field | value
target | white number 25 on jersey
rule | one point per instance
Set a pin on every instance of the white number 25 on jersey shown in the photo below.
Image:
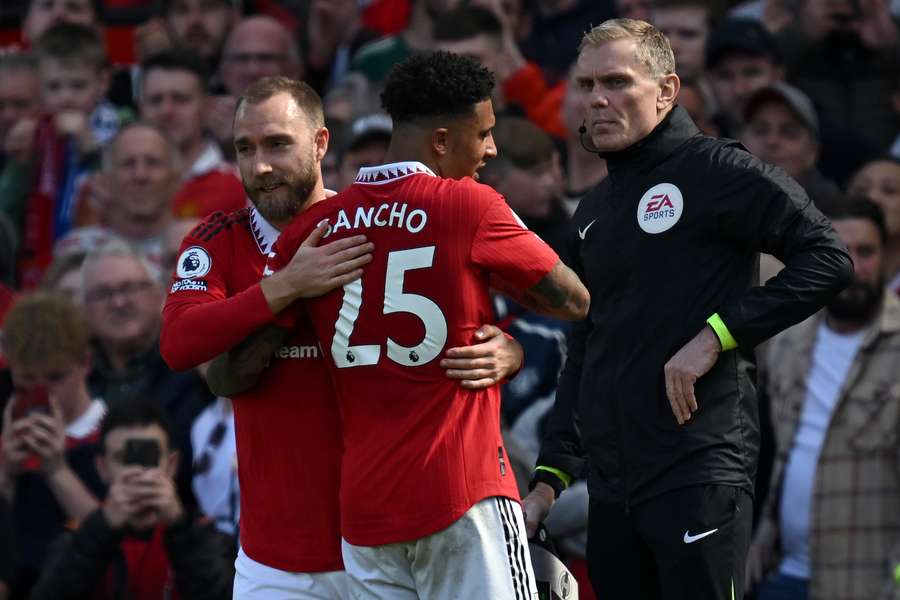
(395, 301)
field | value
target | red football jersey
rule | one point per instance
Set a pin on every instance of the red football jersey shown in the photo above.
(419, 449)
(287, 427)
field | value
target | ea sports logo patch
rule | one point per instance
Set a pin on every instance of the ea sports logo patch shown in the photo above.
(193, 262)
(660, 208)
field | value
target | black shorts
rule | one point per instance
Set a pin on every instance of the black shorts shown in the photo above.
(688, 544)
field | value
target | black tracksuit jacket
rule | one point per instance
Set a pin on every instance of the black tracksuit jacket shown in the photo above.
(652, 292)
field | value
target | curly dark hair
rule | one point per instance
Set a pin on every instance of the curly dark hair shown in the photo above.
(438, 84)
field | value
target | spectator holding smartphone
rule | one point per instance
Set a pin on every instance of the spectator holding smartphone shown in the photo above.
(50, 425)
(142, 543)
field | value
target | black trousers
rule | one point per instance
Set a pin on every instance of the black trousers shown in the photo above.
(688, 544)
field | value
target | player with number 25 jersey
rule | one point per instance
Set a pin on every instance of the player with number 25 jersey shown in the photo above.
(419, 449)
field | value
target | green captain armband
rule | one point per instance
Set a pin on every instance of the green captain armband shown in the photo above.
(558, 480)
(563, 476)
(728, 342)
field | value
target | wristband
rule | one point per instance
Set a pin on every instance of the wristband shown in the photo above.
(725, 338)
(556, 479)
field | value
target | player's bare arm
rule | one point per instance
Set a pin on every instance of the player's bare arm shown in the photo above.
(492, 358)
(559, 294)
(316, 270)
(239, 369)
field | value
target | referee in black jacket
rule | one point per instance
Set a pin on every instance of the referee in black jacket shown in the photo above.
(659, 389)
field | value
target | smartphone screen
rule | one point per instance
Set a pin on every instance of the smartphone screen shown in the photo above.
(143, 452)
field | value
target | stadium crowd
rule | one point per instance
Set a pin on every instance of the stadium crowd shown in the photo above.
(116, 141)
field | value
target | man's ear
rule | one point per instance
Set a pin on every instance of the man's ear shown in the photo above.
(668, 92)
(321, 142)
(440, 141)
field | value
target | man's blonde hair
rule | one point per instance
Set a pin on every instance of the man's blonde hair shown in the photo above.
(652, 48)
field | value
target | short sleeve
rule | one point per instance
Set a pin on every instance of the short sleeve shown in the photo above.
(504, 246)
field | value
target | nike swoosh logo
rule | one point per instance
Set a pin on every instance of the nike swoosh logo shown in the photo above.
(583, 232)
(690, 539)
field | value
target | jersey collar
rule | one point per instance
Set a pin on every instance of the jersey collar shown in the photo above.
(264, 232)
(391, 172)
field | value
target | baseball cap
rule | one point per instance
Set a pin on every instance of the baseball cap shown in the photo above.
(745, 36)
(796, 101)
(370, 127)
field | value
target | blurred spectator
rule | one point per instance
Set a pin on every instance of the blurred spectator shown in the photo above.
(143, 543)
(843, 54)
(782, 129)
(215, 466)
(742, 58)
(583, 168)
(527, 173)
(556, 24)
(74, 76)
(257, 47)
(528, 397)
(19, 97)
(133, 196)
(832, 522)
(353, 96)
(63, 147)
(687, 24)
(775, 15)
(634, 9)
(123, 298)
(64, 276)
(375, 60)
(334, 32)
(173, 98)
(879, 180)
(692, 99)
(370, 136)
(200, 26)
(50, 426)
(487, 36)
(42, 14)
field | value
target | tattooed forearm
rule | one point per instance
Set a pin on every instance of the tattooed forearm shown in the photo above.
(239, 369)
(559, 294)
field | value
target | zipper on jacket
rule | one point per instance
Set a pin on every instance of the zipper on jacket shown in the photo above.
(501, 460)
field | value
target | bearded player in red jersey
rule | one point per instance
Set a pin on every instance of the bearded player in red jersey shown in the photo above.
(288, 442)
(429, 505)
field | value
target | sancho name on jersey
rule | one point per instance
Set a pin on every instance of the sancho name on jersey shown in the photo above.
(419, 450)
